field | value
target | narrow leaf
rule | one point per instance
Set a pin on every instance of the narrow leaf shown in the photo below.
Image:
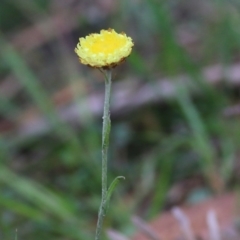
(111, 189)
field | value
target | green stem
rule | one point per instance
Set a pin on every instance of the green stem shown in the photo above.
(105, 142)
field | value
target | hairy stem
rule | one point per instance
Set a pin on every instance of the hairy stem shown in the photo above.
(105, 142)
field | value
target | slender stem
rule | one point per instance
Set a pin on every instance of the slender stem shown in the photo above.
(105, 142)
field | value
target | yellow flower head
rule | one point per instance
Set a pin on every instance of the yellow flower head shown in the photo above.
(104, 50)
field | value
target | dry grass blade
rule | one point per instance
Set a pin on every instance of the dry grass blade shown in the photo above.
(114, 235)
(184, 223)
(213, 226)
(145, 228)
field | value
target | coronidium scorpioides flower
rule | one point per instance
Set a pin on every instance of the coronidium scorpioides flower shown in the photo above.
(106, 49)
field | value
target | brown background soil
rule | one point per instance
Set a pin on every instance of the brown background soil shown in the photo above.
(168, 228)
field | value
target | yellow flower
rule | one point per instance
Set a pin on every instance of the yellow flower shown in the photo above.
(104, 50)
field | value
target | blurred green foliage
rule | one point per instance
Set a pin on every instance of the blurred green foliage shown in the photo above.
(11, 15)
(50, 183)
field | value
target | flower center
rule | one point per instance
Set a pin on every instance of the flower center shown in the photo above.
(106, 44)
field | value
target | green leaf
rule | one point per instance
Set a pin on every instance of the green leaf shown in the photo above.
(111, 189)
